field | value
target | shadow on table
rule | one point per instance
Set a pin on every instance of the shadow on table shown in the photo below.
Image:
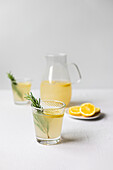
(70, 140)
(102, 116)
(67, 138)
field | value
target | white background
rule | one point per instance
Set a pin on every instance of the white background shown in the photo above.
(30, 29)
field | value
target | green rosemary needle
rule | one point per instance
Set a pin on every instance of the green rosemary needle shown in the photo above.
(12, 78)
(35, 102)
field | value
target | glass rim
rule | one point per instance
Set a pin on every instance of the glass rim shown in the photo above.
(24, 79)
(56, 55)
(53, 108)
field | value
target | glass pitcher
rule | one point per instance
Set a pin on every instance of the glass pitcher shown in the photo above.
(56, 83)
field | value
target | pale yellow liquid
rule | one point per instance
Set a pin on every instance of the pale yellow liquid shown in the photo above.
(57, 90)
(20, 90)
(48, 126)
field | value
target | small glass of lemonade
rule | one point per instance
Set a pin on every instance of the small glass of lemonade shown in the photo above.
(48, 121)
(22, 87)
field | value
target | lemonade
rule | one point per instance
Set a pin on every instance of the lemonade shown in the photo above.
(48, 126)
(19, 91)
(57, 90)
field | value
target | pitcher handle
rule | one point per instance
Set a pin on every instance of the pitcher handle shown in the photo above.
(78, 70)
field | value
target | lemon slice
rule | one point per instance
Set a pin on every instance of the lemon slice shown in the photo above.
(97, 110)
(87, 109)
(74, 110)
(64, 84)
(25, 84)
(51, 113)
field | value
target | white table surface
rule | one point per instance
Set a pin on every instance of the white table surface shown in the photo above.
(86, 145)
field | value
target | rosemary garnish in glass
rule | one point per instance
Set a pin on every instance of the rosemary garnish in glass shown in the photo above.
(39, 117)
(14, 84)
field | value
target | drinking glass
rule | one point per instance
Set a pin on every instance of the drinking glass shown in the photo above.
(22, 87)
(48, 121)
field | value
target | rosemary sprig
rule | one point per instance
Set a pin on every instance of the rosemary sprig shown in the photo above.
(35, 102)
(39, 120)
(12, 78)
(14, 84)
